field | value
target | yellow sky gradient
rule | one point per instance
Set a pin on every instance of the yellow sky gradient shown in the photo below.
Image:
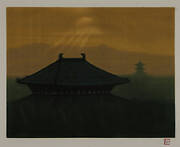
(147, 31)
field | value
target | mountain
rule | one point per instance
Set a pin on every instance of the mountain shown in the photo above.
(30, 58)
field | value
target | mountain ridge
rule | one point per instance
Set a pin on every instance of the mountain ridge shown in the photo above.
(36, 56)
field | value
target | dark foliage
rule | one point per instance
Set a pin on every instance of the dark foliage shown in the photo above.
(89, 116)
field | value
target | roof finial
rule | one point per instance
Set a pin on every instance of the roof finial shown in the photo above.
(60, 56)
(83, 55)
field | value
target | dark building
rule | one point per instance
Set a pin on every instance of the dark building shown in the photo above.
(139, 67)
(140, 75)
(72, 76)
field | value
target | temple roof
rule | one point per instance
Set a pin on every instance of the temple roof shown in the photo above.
(72, 72)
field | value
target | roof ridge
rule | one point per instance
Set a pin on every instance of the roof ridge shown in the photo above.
(87, 74)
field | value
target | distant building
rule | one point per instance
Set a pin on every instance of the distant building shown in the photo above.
(140, 70)
(139, 78)
(140, 67)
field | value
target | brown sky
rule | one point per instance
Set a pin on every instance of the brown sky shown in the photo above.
(143, 31)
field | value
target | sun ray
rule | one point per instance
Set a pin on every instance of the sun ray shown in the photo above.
(68, 43)
(58, 41)
(85, 41)
(76, 42)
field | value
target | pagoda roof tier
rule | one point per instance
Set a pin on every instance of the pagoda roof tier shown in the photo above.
(72, 72)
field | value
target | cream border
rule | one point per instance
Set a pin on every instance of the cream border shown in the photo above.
(79, 142)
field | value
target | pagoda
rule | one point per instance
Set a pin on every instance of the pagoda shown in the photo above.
(72, 76)
(139, 67)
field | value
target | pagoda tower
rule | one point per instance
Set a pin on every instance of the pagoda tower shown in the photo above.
(140, 68)
(140, 78)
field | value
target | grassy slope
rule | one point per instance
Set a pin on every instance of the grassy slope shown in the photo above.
(16, 91)
(148, 89)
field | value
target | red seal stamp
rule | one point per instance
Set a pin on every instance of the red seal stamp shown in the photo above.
(167, 141)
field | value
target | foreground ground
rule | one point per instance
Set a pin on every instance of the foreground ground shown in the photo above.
(89, 116)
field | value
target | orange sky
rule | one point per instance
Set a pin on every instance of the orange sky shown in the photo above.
(144, 31)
